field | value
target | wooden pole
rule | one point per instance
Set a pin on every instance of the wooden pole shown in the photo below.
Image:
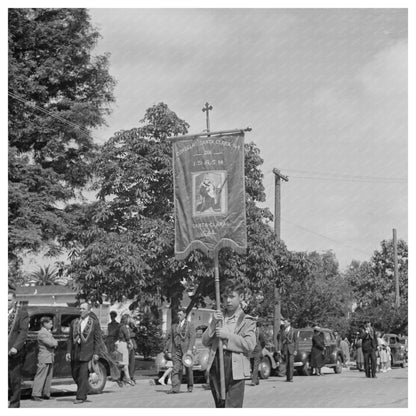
(218, 301)
(277, 298)
(207, 109)
(396, 270)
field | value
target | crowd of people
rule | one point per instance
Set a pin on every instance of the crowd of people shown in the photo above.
(237, 334)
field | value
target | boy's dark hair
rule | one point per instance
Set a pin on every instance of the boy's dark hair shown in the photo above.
(233, 286)
(45, 319)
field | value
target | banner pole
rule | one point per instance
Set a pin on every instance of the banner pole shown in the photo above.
(218, 300)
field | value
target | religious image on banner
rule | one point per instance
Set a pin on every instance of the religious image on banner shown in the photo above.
(209, 193)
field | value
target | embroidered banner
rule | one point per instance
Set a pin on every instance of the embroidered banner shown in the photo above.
(209, 194)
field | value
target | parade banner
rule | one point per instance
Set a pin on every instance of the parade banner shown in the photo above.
(209, 194)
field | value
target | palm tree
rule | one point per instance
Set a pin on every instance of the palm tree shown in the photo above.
(45, 276)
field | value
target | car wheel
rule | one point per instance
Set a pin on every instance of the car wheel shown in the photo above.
(265, 368)
(338, 366)
(306, 369)
(97, 379)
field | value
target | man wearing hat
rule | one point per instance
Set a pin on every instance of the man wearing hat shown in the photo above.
(287, 345)
(182, 340)
(18, 325)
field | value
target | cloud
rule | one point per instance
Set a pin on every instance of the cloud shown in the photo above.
(386, 74)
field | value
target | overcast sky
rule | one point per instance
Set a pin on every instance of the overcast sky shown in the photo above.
(324, 90)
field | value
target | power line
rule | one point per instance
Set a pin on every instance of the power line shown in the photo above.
(61, 119)
(346, 175)
(324, 236)
(335, 179)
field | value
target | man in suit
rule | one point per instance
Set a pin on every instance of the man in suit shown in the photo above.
(369, 347)
(18, 323)
(83, 345)
(182, 341)
(47, 344)
(238, 334)
(287, 345)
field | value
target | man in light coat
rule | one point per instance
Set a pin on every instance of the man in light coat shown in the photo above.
(47, 344)
(238, 334)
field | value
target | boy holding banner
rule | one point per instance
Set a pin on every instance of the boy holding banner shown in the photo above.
(238, 334)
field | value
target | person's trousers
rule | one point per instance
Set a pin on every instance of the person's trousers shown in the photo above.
(255, 361)
(370, 363)
(15, 370)
(80, 376)
(234, 389)
(289, 359)
(177, 371)
(132, 363)
(43, 380)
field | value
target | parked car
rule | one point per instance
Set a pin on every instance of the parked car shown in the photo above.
(269, 365)
(333, 358)
(398, 351)
(62, 317)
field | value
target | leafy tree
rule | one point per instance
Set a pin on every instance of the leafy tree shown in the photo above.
(149, 335)
(58, 92)
(126, 238)
(373, 287)
(314, 292)
(373, 282)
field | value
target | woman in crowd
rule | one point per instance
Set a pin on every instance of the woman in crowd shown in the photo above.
(382, 350)
(317, 353)
(124, 344)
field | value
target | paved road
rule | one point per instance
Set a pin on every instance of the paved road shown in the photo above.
(351, 389)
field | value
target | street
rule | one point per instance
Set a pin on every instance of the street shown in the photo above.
(350, 389)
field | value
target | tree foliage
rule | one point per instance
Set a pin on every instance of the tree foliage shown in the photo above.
(57, 92)
(373, 281)
(373, 287)
(126, 238)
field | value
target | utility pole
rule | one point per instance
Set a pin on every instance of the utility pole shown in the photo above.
(396, 269)
(277, 302)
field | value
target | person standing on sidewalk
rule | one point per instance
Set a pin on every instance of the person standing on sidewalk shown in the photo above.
(124, 346)
(47, 343)
(257, 355)
(318, 351)
(287, 343)
(182, 340)
(369, 346)
(18, 323)
(83, 345)
(238, 334)
(133, 349)
(113, 329)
